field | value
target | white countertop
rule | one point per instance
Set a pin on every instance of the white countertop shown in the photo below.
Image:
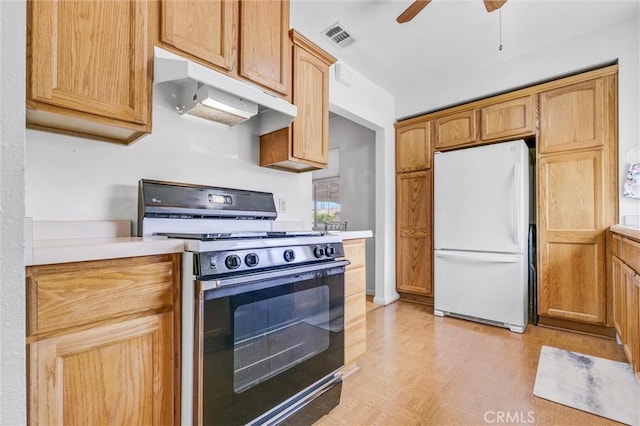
(352, 235)
(632, 231)
(46, 252)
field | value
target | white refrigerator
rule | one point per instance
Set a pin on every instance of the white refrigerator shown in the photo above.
(481, 220)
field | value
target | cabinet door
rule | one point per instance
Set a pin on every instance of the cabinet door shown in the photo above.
(572, 117)
(355, 321)
(265, 49)
(515, 118)
(413, 147)
(115, 374)
(205, 29)
(414, 249)
(91, 57)
(311, 97)
(571, 232)
(630, 340)
(455, 129)
(619, 299)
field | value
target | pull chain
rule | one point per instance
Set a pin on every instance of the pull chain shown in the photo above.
(500, 23)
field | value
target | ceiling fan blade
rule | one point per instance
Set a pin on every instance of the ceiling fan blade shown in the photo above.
(412, 11)
(492, 5)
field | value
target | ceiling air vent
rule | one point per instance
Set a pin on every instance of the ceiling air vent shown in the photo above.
(338, 34)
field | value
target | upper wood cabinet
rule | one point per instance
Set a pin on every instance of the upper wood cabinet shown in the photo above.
(573, 117)
(247, 39)
(513, 118)
(207, 30)
(101, 342)
(413, 147)
(414, 243)
(455, 129)
(304, 145)
(88, 68)
(265, 49)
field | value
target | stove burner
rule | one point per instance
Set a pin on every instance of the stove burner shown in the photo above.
(240, 235)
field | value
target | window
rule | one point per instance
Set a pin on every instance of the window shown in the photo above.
(326, 202)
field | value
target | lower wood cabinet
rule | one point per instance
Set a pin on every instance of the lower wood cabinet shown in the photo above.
(625, 281)
(414, 242)
(355, 318)
(102, 342)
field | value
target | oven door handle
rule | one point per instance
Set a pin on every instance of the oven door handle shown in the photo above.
(206, 285)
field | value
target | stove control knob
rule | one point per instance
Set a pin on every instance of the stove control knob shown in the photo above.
(318, 252)
(232, 261)
(289, 255)
(251, 260)
(330, 251)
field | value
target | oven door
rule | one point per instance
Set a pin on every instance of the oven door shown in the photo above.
(264, 339)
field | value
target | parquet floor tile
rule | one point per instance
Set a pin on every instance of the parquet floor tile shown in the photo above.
(425, 370)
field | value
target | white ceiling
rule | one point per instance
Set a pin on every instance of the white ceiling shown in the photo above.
(448, 37)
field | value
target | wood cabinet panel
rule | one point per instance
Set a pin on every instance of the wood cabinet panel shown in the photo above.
(514, 118)
(570, 187)
(116, 374)
(616, 245)
(572, 284)
(304, 146)
(355, 332)
(414, 243)
(206, 30)
(413, 147)
(265, 49)
(631, 253)
(572, 117)
(311, 96)
(619, 297)
(630, 340)
(354, 251)
(67, 295)
(455, 129)
(413, 203)
(88, 68)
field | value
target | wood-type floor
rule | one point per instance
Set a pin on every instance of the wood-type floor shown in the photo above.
(424, 370)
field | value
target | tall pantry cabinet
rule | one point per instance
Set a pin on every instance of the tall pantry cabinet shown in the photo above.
(414, 189)
(577, 185)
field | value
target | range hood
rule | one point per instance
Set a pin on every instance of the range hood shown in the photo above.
(213, 96)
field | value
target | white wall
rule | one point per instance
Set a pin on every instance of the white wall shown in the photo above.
(70, 178)
(357, 182)
(367, 104)
(621, 42)
(12, 294)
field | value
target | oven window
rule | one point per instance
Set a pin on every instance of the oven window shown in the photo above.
(273, 335)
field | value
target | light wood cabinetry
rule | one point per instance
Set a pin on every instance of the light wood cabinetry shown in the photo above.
(304, 145)
(244, 38)
(88, 68)
(413, 147)
(102, 342)
(624, 268)
(206, 30)
(355, 328)
(456, 129)
(414, 241)
(576, 202)
(513, 118)
(265, 49)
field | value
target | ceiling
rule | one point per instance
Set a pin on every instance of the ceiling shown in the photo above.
(449, 37)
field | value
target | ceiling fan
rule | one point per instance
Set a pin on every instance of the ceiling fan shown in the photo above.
(418, 5)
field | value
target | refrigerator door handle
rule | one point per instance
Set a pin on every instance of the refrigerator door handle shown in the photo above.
(479, 257)
(516, 204)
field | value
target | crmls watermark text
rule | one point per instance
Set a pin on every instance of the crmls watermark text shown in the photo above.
(502, 417)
